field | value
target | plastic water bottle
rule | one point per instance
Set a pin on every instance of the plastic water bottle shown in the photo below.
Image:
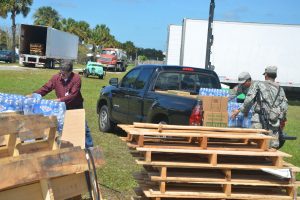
(61, 109)
(17, 104)
(28, 106)
(36, 96)
(36, 106)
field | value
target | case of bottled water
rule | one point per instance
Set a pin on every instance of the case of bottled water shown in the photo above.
(33, 105)
(213, 92)
(240, 120)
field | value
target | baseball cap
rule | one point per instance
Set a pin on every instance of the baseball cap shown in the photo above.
(66, 65)
(244, 76)
(271, 70)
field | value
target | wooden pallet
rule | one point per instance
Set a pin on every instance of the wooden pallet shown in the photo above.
(188, 162)
(36, 49)
(58, 174)
(214, 158)
(21, 134)
(227, 177)
(32, 165)
(196, 138)
(213, 191)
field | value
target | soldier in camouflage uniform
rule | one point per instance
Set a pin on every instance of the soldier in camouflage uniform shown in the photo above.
(268, 91)
(244, 80)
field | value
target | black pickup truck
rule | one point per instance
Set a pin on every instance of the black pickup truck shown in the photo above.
(138, 97)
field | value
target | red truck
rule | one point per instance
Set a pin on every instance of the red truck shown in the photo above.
(113, 58)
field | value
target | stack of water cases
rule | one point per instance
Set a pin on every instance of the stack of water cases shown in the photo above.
(240, 120)
(33, 105)
(213, 92)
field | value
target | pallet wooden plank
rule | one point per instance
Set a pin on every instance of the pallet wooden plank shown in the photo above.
(219, 152)
(163, 175)
(207, 165)
(188, 133)
(180, 127)
(27, 192)
(32, 169)
(46, 189)
(69, 186)
(26, 124)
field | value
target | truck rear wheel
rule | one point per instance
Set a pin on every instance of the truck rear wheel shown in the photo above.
(28, 64)
(105, 124)
(85, 73)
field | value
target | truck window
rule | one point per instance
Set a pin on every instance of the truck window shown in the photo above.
(167, 81)
(190, 82)
(129, 80)
(143, 78)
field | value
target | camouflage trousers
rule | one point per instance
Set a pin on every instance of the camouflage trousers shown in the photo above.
(274, 133)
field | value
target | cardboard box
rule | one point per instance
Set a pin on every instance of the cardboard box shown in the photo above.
(73, 133)
(215, 119)
(214, 103)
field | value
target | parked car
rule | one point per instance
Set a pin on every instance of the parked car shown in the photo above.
(7, 56)
(139, 96)
(94, 69)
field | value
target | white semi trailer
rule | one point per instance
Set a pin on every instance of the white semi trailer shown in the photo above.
(241, 47)
(174, 44)
(41, 45)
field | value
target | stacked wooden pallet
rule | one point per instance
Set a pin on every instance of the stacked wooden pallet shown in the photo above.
(33, 166)
(186, 162)
(36, 49)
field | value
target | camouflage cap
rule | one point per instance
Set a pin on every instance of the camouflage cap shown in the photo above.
(271, 70)
(243, 77)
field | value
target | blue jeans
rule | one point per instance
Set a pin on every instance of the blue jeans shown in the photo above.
(88, 136)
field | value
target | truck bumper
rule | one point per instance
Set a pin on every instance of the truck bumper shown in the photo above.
(34, 59)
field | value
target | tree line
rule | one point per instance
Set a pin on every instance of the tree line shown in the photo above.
(100, 35)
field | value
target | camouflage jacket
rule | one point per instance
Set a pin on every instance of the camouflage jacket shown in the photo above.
(269, 90)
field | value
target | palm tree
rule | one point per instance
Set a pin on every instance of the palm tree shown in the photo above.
(100, 35)
(68, 25)
(83, 30)
(47, 16)
(14, 7)
(129, 47)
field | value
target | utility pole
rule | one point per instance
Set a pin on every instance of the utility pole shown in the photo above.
(210, 36)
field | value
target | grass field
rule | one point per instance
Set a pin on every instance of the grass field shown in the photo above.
(116, 176)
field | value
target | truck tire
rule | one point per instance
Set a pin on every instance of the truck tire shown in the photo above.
(123, 67)
(28, 64)
(85, 73)
(105, 124)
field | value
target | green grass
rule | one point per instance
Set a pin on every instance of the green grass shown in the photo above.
(116, 175)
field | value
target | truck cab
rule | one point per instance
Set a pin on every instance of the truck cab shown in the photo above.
(113, 58)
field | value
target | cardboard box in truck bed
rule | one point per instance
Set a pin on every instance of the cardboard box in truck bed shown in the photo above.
(215, 111)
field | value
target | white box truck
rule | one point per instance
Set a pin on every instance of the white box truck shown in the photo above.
(41, 45)
(239, 47)
(173, 44)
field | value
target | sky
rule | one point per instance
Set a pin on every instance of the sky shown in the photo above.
(145, 22)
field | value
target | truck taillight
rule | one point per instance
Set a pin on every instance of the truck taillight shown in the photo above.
(196, 116)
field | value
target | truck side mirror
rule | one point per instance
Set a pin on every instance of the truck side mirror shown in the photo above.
(113, 82)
